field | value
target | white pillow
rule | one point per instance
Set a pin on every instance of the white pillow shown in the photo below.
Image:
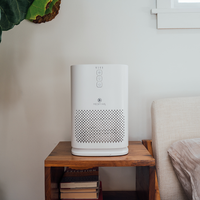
(185, 157)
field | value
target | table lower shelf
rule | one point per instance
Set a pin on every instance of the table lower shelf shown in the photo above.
(145, 185)
(119, 195)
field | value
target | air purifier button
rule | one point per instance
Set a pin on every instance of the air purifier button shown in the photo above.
(99, 78)
(99, 84)
(99, 72)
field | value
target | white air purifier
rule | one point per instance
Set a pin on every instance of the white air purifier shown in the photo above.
(99, 110)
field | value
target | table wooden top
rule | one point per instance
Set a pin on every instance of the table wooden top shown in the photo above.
(61, 156)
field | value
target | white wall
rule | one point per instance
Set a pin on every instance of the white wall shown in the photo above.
(35, 87)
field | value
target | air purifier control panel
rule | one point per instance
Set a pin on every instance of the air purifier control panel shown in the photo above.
(99, 77)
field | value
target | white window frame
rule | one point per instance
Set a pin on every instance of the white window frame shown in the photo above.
(171, 14)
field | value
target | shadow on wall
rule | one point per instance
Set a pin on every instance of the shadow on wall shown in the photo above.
(2, 194)
(9, 85)
(13, 53)
(11, 60)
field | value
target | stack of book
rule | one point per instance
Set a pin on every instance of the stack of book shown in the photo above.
(81, 184)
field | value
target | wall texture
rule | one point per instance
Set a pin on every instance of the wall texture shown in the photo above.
(35, 82)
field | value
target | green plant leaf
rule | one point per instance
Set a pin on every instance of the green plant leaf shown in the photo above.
(38, 8)
(50, 7)
(43, 10)
(13, 12)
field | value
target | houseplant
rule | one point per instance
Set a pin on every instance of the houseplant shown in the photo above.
(37, 11)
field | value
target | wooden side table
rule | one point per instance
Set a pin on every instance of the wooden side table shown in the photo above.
(138, 157)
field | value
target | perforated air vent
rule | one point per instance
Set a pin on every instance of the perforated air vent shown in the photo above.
(99, 126)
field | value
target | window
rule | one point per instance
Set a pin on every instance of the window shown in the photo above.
(189, 1)
(186, 3)
(177, 14)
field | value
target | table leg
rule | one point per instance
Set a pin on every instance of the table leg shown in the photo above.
(145, 183)
(47, 183)
(53, 176)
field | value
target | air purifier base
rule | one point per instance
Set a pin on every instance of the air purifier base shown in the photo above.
(99, 152)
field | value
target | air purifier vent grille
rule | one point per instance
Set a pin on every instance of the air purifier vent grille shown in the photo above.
(99, 126)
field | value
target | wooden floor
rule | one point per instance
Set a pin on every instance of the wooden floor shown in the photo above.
(115, 195)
